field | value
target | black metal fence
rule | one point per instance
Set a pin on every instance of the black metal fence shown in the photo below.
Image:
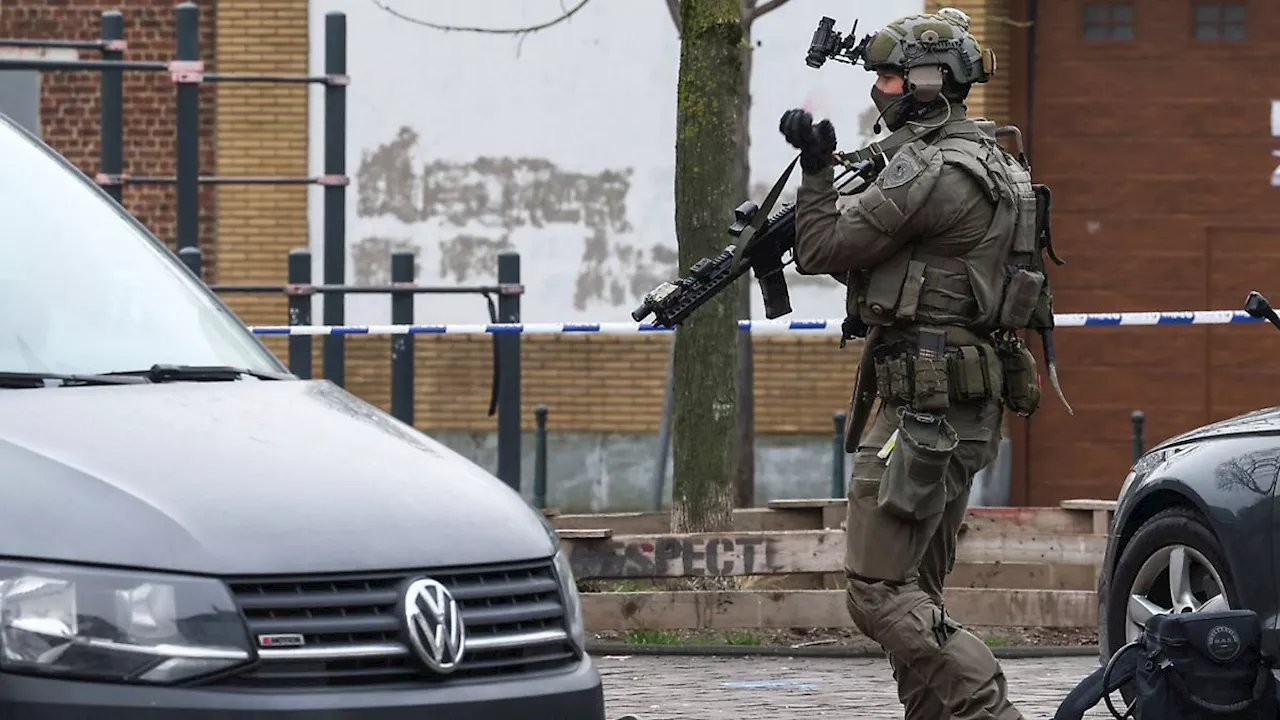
(187, 72)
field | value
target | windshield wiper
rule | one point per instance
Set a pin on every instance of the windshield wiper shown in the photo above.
(13, 379)
(197, 373)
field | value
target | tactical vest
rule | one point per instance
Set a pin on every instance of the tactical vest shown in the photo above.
(990, 287)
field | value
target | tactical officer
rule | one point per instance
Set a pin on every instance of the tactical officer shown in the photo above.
(922, 252)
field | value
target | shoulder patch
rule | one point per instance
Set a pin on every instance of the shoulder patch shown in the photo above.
(902, 169)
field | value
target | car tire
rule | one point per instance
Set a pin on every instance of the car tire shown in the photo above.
(1179, 536)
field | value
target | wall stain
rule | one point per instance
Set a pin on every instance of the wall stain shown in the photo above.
(504, 195)
(372, 259)
(468, 255)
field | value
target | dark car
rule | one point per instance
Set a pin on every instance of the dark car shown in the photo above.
(188, 531)
(1192, 529)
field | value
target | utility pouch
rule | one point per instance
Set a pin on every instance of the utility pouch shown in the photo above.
(884, 290)
(1021, 293)
(972, 377)
(1021, 381)
(930, 381)
(894, 377)
(914, 483)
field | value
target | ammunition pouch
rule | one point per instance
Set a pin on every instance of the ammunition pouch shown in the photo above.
(964, 373)
(1021, 294)
(913, 486)
(1021, 381)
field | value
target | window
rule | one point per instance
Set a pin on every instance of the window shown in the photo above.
(20, 98)
(83, 289)
(1214, 21)
(1108, 21)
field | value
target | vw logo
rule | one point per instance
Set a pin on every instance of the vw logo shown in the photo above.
(434, 624)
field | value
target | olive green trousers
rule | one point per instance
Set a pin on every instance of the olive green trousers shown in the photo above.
(896, 568)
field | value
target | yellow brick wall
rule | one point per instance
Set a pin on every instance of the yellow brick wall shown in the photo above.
(262, 130)
(597, 383)
(989, 23)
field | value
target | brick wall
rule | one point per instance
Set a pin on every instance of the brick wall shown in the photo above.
(70, 100)
(262, 130)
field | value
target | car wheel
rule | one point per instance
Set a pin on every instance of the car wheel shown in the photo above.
(1173, 563)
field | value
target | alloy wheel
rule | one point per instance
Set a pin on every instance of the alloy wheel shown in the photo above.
(1174, 579)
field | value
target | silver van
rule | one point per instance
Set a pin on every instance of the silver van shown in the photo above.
(187, 531)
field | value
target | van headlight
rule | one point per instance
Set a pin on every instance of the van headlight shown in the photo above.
(113, 625)
(568, 587)
(572, 600)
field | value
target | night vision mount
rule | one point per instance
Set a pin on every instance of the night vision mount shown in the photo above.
(829, 43)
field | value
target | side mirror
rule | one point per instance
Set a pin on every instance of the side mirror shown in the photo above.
(1257, 306)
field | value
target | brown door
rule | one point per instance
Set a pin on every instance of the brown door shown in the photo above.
(1151, 123)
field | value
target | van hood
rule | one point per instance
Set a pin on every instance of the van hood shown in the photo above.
(244, 478)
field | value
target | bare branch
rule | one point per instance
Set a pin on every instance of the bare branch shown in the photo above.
(673, 7)
(764, 9)
(496, 31)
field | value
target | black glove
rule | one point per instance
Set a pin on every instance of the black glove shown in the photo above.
(816, 144)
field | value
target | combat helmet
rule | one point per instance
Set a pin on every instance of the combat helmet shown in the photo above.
(937, 54)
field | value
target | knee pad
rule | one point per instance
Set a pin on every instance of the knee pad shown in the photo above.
(874, 605)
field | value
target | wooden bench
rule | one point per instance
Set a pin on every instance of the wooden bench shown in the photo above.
(598, 554)
(1101, 512)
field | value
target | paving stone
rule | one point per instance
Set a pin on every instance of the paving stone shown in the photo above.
(704, 688)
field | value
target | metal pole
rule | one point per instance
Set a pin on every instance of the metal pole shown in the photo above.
(402, 345)
(509, 445)
(664, 427)
(111, 121)
(540, 458)
(44, 64)
(299, 273)
(837, 457)
(335, 195)
(1138, 419)
(190, 256)
(187, 22)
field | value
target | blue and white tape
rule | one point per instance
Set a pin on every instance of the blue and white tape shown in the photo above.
(822, 327)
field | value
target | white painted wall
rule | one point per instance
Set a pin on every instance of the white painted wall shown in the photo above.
(591, 95)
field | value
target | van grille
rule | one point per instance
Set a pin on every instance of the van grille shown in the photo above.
(514, 616)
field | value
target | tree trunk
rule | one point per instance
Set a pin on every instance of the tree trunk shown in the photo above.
(706, 191)
(745, 446)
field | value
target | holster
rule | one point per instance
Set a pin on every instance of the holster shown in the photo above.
(864, 392)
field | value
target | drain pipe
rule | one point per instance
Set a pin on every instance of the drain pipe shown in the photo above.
(1028, 142)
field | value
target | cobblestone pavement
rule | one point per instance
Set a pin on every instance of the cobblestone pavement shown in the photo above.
(703, 688)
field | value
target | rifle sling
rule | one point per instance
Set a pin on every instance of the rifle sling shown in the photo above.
(762, 214)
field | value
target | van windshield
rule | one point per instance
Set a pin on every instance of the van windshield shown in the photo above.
(84, 290)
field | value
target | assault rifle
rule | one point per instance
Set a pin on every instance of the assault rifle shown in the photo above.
(763, 243)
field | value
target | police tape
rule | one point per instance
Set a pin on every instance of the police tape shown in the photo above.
(827, 326)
